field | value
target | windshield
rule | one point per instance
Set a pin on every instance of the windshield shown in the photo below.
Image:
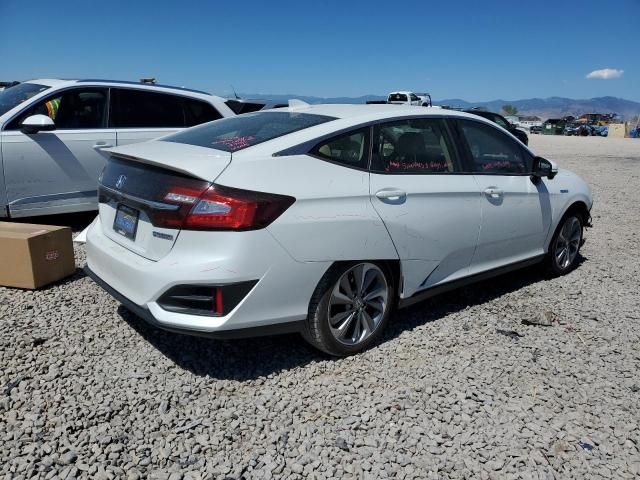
(236, 133)
(14, 96)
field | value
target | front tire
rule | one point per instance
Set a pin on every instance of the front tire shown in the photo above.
(350, 307)
(565, 245)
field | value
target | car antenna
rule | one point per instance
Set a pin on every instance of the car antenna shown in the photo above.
(148, 80)
(234, 92)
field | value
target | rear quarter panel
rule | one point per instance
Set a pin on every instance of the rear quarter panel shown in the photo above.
(3, 191)
(332, 218)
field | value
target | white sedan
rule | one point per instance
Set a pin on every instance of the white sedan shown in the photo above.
(321, 219)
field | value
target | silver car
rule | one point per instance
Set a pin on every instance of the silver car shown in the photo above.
(52, 133)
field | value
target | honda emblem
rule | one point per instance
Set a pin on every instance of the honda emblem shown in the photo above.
(120, 181)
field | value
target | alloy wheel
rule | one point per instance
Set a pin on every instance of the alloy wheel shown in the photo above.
(358, 303)
(568, 243)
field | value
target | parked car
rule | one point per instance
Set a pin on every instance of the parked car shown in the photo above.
(52, 133)
(580, 130)
(503, 122)
(404, 98)
(588, 130)
(321, 219)
(535, 129)
(425, 98)
(5, 85)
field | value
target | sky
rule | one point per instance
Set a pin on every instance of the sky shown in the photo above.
(474, 50)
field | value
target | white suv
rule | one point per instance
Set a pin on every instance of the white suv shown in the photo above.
(52, 133)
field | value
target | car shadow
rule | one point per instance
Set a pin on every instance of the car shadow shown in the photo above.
(474, 294)
(241, 359)
(248, 359)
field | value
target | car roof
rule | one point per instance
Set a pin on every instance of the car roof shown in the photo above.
(54, 82)
(361, 113)
(482, 113)
(47, 82)
(347, 117)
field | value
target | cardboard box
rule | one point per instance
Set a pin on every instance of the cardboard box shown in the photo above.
(32, 256)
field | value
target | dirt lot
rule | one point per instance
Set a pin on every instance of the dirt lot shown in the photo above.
(88, 390)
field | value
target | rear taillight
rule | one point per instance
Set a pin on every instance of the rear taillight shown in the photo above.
(219, 208)
(225, 208)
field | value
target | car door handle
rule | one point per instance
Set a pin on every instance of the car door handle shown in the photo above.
(391, 195)
(99, 145)
(493, 192)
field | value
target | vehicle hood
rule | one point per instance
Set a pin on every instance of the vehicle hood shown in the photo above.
(200, 162)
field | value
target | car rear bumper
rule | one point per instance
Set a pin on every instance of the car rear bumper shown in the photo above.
(280, 296)
(145, 314)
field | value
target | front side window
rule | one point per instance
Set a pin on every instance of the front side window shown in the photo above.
(74, 109)
(492, 151)
(13, 96)
(412, 146)
(237, 133)
(351, 149)
(414, 98)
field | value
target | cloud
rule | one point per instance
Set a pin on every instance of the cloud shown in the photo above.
(605, 74)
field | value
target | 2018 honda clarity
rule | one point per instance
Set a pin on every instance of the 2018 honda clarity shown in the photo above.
(321, 219)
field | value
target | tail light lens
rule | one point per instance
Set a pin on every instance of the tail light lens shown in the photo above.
(220, 208)
(225, 208)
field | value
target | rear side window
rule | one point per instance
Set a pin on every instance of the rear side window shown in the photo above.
(236, 133)
(412, 146)
(197, 112)
(397, 97)
(492, 151)
(351, 149)
(145, 109)
(140, 109)
(501, 121)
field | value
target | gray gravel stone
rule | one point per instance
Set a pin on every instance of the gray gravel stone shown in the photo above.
(87, 390)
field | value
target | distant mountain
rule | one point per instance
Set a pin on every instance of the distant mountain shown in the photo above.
(543, 107)
(557, 106)
(310, 99)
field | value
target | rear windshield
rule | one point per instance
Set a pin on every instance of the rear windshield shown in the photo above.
(14, 96)
(236, 133)
(397, 97)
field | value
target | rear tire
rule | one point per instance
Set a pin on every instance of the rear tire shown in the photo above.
(565, 245)
(350, 307)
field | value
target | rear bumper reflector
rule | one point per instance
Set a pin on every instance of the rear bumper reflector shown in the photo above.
(205, 300)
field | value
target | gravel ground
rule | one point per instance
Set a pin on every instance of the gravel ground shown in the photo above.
(88, 390)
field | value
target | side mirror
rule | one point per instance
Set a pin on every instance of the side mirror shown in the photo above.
(544, 168)
(37, 123)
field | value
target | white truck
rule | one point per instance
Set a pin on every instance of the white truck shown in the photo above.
(409, 98)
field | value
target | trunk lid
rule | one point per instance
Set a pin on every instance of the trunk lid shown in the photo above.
(150, 184)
